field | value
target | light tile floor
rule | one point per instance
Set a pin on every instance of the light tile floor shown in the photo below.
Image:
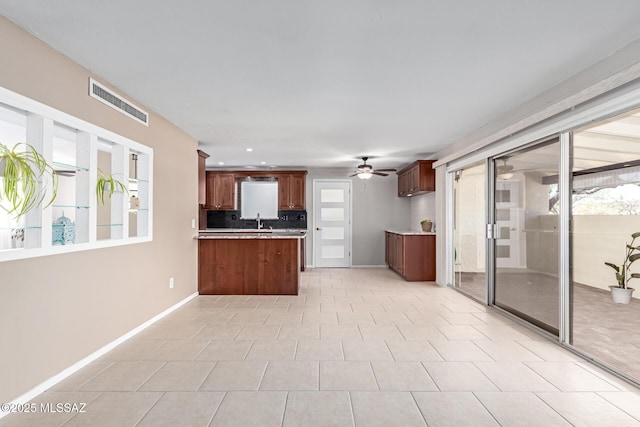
(356, 347)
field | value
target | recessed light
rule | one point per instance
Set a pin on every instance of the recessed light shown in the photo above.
(221, 163)
(249, 149)
(263, 163)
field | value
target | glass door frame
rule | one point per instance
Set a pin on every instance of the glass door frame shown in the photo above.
(450, 229)
(563, 224)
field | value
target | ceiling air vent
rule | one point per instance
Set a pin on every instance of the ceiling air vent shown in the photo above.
(106, 96)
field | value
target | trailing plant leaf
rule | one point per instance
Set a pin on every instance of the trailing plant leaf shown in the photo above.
(615, 267)
(109, 185)
(633, 258)
(27, 180)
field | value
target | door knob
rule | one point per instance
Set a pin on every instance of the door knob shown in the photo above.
(318, 228)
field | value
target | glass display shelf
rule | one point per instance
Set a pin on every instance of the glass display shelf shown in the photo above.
(109, 225)
(65, 166)
(70, 206)
(18, 227)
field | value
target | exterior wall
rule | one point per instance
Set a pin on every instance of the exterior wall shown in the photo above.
(598, 239)
(57, 310)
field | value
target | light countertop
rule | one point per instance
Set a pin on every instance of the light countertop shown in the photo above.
(251, 234)
(411, 233)
(252, 230)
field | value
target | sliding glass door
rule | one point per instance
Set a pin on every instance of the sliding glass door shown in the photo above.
(526, 234)
(605, 214)
(539, 232)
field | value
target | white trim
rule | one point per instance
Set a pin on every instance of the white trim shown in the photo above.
(556, 101)
(50, 115)
(313, 229)
(564, 238)
(22, 102)
(449, 275)
(47, 384)
(371, 266)
(122, 98)
(608, 105)
(16, 254)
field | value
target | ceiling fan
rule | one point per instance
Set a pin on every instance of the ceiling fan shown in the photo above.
(366, 171)
(504, 170)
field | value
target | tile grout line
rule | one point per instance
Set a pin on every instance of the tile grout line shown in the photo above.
(598, 393)
(226, 393)
(353, 412)
(551, 407)
(473, 393)
(151, 408)
(411, 393)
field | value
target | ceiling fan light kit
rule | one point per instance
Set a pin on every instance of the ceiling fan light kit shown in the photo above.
(504, 171)
(366, 171)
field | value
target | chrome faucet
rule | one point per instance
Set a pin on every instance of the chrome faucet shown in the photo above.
(260, 224)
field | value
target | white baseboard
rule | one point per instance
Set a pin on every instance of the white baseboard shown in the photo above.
(356, 266)
(370, 266)
(47, 384)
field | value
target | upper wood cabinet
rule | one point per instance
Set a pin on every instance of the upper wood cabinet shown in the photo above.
(417, 178)
(291, 191)
(202, 177)
(221, 191)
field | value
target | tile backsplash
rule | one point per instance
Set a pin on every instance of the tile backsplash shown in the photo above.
(296, 219)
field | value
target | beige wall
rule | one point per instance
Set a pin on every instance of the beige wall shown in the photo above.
(55, 310)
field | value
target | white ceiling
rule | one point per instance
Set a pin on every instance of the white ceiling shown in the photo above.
(317, 84)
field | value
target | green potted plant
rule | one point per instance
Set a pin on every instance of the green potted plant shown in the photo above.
(26, 178)
(621, 294)
(108, 184)
(426, 225)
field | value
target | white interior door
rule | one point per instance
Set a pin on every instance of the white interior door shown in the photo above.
(509, 223)
(332, 223)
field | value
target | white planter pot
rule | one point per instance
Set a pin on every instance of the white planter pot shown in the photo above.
(620, 295)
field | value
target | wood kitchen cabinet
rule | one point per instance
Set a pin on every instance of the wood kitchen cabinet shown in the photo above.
(412, 256)
(249, 266)
(417, 178)
(291, 191)
(221, 191)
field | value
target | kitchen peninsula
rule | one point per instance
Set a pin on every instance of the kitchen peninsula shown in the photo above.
(249, 262)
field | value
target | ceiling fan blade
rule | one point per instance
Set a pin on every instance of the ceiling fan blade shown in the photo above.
(386, 170)
(354, 175)
(380, 173)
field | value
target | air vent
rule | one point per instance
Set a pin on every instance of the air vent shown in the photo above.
(106, 96)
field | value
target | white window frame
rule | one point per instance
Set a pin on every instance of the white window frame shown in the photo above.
(47, 114)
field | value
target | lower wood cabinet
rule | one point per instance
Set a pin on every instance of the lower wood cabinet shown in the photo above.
(413, 256)
(249, 266)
